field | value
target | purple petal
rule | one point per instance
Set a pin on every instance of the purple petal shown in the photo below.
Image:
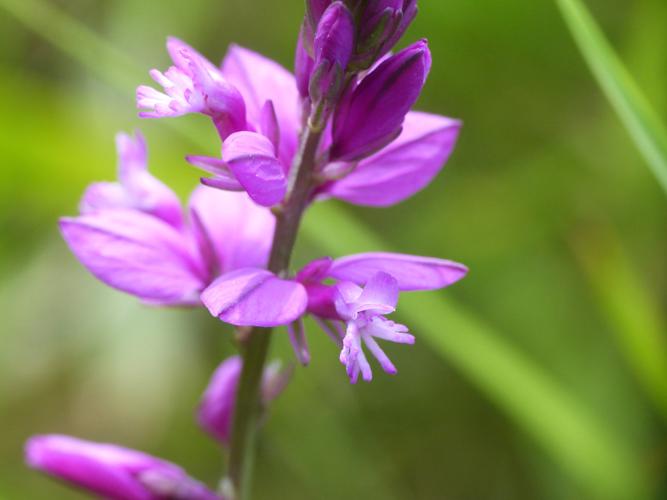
(251, 158)
(255, 297)
(216, 409)
(404, 167)
(297, 337)
(315, 270)
(412, 272)
(303, 63)
(138, 189)
(224, 178)
(259, 80)
(370, 115)
(270, 127)
(321, 300)
(112, 471)
(239, 230)
(138, 254)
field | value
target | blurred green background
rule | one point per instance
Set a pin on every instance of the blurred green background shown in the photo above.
(542, 375)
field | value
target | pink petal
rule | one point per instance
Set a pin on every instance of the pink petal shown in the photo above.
(239, 230)
(138, 254)
(216, 409)
(404, 167)
(412, 272)
(251, 158)
(260, 79)
(255, 297)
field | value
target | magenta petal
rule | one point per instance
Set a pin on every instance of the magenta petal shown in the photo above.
(269, 125)
(412, 272)
(259, 80)
(138, 254)
(370, 115)
(137, 189)
(239, 230)
(315, 270)
(223, 177)
(251, 158)
(404, 167)
(216, 409)
(255, 297)
(112, 471)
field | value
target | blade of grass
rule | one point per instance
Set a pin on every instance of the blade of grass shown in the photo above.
(639, 118)
(633, 314)
(574, 438)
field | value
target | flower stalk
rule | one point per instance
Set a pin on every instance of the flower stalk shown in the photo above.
(256, 344)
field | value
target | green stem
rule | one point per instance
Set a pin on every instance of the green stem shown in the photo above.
(256, 345)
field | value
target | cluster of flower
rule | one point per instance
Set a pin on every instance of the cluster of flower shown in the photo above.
(135, 236)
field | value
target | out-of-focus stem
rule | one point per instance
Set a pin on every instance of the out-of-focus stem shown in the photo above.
(256, 345)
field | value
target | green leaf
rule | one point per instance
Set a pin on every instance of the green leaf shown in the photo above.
(639, 118)
(633, 314)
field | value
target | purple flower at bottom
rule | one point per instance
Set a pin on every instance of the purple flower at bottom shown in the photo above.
(112, 471)
(216, 409)
(355, 313)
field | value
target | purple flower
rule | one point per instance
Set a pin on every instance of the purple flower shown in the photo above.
(340, 303)
(363, 310)
(333, 45)
(216, 409)
(193, 85)
(224, 242)
(112, 471)
(371, 114)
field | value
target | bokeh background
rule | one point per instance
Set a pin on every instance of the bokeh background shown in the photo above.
(536, 377)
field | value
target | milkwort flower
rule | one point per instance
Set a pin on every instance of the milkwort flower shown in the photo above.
(357, 314)
(112, 471)
(133, 236)
(375, 151)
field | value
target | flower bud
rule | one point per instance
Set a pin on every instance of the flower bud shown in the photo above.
(382, 23)
(112, 471)
(314, 11)
(216, 410)
(371, 114)
(333, 45)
